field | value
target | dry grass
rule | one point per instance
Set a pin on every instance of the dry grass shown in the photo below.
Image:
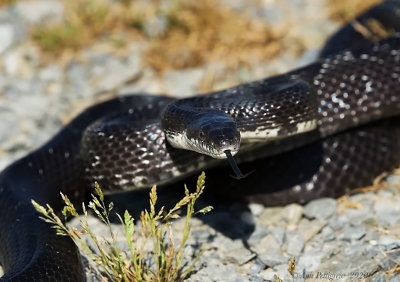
(345, 10)
(196, 32)
(203, 31)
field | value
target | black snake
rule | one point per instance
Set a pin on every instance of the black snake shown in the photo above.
(331, 126)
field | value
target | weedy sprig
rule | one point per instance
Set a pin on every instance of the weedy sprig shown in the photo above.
(132, 265)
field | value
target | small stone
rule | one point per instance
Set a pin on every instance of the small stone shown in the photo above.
(372, 250)
(308, 228)
(271, 216)
(107, 72)
(338, 223)
(395, 278)
(357, 216)
(328, 233)
(354, 249)
(11, 32)
(388, 217)
(309, 261)
(279, 234)
(350, 233)
(340, 265)
(256, 267)
(219, 272)
(155, 26)
(281, 271)
(22, 62)
(256, 209)
(259, 233)
(380, 277)
(272, 259)
(9, 125)
(292, 213)
(268, 243)
(389, 242)
(183, 83)
(268, 274)
(78, 81)
(320, 209)
(235, 252)
(388, 260)
(294, 243)
(44, 12)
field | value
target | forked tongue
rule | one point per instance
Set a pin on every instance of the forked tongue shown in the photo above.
(234, 165)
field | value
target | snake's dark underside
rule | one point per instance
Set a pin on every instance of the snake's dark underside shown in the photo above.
(334, 124)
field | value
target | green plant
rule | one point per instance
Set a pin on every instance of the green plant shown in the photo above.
(117, 264)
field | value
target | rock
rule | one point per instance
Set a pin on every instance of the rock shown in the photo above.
(256, 267)
(268, 243)
(350, 233)
(155, 26)
(271, 216)
(271, 259)
(216, 271)
(394, 278)
(389, 242)
(256, 209)
(9, 125)
(357, 216)
(235, 252)
(107, 72)
(279, 234)
(292, 213)
(345, 267)
(294, 243)
(388, 259)
(22, 62)
(380, 277)
(183, 83)
(309, 261)
(78, 81)
(281, 271)
(308, 228)
(43, 12)
(328, 233)
(320, 209)
(102, 73)
(259, 233)
(11, 31)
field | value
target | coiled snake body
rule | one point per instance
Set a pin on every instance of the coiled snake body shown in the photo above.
(330, 127)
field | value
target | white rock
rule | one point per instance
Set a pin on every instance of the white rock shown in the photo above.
(40, 12)
(7, 36)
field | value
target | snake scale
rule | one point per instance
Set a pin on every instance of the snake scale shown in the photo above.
(330, 127)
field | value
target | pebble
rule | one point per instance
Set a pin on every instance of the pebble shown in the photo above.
(272, 259)
(293, 213)
(350, 233)
(308, 228)
(294, 243)
(39, 12)
(11, 32)
(320, 208)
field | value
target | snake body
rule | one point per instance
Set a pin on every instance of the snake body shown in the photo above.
(329, 127)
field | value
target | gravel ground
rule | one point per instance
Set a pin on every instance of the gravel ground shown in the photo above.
(355, 239)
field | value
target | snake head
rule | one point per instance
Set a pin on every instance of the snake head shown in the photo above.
(213, 135)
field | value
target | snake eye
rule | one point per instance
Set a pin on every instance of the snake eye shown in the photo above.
(201, 134)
